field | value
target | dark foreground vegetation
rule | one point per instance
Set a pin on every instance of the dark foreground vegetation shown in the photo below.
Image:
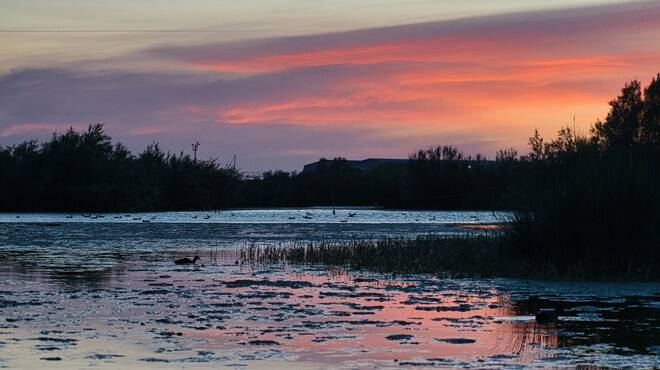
(586, 204)
(456, 256)
(590, 205)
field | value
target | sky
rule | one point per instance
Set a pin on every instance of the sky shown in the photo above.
(283, 83)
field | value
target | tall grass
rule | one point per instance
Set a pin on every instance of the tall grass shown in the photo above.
(455, 256)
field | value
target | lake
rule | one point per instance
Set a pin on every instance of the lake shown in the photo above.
(80, 291)
(270, 216)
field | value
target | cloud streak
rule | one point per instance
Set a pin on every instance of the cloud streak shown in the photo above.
(498, 37)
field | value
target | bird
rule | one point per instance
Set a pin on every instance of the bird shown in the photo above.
(546, 316)
(186, 261)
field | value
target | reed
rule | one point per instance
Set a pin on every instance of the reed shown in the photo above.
(480, 255)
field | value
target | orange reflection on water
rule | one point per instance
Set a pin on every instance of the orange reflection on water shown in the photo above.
(385, 321)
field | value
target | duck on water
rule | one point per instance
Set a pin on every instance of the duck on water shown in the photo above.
(186, 261)
(548, 316)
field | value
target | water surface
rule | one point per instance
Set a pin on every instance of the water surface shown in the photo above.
(271, 216)
(80, 293)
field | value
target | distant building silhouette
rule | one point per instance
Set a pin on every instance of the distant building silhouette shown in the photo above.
(366, 165)
(371, 164)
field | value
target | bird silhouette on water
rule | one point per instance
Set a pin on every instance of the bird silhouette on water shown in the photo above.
(187, 261)
(547, 316)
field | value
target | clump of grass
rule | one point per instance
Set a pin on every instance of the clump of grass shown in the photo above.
(455, 256)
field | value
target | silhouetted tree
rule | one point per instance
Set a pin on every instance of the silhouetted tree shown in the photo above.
(537, 146)
(621, 128)
(506, 155)
(650, 124)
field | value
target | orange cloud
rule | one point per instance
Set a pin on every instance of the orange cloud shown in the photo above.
(504, 75)
(431, 97)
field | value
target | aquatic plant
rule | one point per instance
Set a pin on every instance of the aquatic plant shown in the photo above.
(476, 255)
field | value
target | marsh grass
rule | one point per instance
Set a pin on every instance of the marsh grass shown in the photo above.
(480, 255)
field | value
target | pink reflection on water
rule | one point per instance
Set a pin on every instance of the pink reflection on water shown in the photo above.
(356, 319)
(276, 313)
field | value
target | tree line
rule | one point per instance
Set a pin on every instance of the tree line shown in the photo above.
(85, 172)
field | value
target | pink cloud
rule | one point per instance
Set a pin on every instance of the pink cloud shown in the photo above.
(512, 70)
(565, 33)
(33, 127)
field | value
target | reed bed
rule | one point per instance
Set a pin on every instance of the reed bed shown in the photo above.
(480, 255)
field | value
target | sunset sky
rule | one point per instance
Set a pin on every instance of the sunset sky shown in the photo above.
(282, 83)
